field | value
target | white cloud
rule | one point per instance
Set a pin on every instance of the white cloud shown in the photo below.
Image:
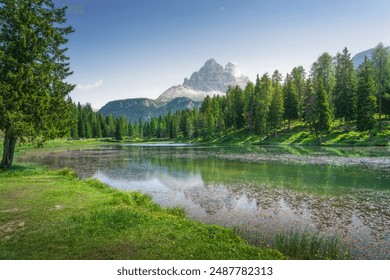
(90, 86)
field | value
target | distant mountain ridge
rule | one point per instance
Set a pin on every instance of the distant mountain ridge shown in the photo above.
(135, 109)
(358, 58)
(211, 79)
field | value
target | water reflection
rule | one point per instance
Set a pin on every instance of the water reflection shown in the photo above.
(264, 197)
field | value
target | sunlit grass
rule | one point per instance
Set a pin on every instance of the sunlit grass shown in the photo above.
(55, 215)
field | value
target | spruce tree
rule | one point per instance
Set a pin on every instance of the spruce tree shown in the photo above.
(345, 88)
(263, 94)
(275, 116)
(309, 105)
(365, 97)
(298, 75)
(119, 132)
(381, 63)
(322, 110)
(249, 106)
(33, 69)
(290, 101)
(323, 69)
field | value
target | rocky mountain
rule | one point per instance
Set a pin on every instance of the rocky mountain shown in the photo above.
(211, 79)
(358, 58)
(142, 108)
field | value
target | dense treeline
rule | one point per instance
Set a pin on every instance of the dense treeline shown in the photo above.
(333, 89)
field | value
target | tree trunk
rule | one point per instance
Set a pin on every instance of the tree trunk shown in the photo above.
(8, 151)
(289, 125)
(380, 111)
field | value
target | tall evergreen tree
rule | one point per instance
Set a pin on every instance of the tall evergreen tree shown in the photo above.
(119, 130)
(298, 75)
(275, 116)
(290, 101)
(263, 94)
(249, 106)
(322, 110)
(365, 97)
(33, 69)
(381, 63)
(345, 88)
(323, 69)
(309, 108)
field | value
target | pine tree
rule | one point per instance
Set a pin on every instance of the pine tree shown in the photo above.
(322, 110)
(276, 110)
(298, 75)
(365, 97)
(323, 70)
(249, 106)
(381, 63)
(74, 134)
(309, 107)
(345, 88)
(290, 101)
(33, 69)
(119, 132)
(263, 91)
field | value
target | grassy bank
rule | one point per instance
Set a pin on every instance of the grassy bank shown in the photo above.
(299, 134)
(54, 215)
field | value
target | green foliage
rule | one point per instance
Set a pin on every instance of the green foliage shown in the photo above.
(298, 76)
(323, 70)
(33, 67)
(310, 246)
(323, 116)
(345, 88)
(276, 109)
(52, 215)
(381, 63)
(263, 95)
(366, 100)
(290, 100)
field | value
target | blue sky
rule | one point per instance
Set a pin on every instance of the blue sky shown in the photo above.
(139, 48)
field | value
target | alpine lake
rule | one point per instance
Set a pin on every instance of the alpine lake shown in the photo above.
(262, 190)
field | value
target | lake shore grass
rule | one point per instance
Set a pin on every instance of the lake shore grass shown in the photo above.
(299, 134)
(55, 215)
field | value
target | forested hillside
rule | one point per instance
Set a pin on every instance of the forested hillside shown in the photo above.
(332, 96)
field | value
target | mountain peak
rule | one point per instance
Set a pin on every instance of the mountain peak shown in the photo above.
(210, 62)
(213, 77)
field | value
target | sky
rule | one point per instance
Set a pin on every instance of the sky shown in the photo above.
(139, 48)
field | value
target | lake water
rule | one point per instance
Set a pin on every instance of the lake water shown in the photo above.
(344, 192)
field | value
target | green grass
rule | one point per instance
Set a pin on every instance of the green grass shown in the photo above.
(55, 215)
(300, 134)
(299, 245)
(310, 246)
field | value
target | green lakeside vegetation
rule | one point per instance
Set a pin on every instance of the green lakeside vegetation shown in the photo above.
(55, 215)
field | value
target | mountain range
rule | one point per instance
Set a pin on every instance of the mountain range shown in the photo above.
(211, 79)
(358, 58)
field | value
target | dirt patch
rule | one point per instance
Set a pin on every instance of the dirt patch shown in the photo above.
(57, 207)
(10, 210)
(10, 227)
